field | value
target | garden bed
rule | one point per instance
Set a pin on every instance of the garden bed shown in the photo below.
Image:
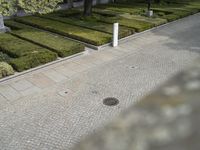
(63, 47)
(22, 54)
(79, 33)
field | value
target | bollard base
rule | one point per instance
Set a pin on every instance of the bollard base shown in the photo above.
(150, 13)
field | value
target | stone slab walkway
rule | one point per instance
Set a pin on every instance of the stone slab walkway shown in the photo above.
(54, 107)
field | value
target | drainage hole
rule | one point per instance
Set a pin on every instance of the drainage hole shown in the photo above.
(110, 101)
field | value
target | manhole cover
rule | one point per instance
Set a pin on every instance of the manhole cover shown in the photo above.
(110, 101)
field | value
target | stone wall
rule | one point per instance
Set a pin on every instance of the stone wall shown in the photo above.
(168, 119)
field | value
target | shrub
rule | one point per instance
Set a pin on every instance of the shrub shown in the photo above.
(5, 70)
(32, 60)
(86, 35)
(16, 47)
(4, 57)
(63, 47)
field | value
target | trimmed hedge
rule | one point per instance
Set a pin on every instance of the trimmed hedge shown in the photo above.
(90, 23)
(16, 47)
(4, 57)
(131, 23)
(123, 8)
(154, 20)
(63, 47)
(25, 55)
(32, 60)
(5, 70)
(86, 35)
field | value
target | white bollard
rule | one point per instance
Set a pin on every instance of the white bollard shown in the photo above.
(115, 34)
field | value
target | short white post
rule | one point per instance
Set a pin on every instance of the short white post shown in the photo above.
(115, 34)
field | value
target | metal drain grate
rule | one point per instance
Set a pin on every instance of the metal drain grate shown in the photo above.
(110, 101)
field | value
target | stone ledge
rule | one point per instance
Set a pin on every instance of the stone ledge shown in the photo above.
(168, 119)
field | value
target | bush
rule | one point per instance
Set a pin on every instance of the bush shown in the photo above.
(4, 57)
(32, 60)
(5, 70)
(63, 47)
(86, 35)
(16, 47)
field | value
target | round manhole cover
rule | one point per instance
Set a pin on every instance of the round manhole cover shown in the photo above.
(110, 101)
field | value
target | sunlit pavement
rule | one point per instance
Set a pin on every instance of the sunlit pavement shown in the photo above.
(54, 107)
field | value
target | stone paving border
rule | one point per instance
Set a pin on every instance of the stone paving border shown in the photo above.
(40, 67)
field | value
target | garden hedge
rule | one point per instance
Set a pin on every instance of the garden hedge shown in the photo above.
(5, 70)
(131, 23)
(63, 47)
(90, 23)
(32, 60)
(25, 55)
(16, 47)
(85, 35)
(4, 57)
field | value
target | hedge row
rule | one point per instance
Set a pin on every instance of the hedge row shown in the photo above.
(4, 57)
(123, 8)
(154, 20)
(86, 35)
(16, 47)
(63, 47)
(32, 60)
(24, 55)
(90, 23)
(131, 23)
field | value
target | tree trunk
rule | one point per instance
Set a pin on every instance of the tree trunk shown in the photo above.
(157, 1)
(88, 7)
(70, 3)
(149, 5)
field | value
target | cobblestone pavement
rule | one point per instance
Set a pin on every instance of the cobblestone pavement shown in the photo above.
(54, 107)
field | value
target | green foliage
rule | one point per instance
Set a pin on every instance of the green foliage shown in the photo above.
(5, 70)
(16, 47)
(154, 20)
(63, 47)
(86, 35)
(32, 60)
(131, 23)
(4, 57)
(7, 7)
(93, 24)
(38, 6)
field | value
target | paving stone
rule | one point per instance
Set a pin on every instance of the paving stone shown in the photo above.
(84, 62)
(9, 92)
(30, 91)
(55, 76)
(21, 85)
(65, 70)
(40, 80)
(75, 66)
